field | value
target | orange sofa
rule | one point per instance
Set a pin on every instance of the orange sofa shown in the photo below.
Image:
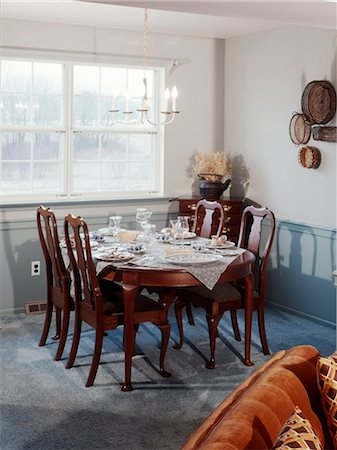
(252, 415)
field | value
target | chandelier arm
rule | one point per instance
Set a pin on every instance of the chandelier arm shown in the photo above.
(165, 122)
(128, 122)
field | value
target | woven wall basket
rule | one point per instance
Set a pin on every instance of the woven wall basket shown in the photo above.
(319, 102)
(309, 157)
(299, 129)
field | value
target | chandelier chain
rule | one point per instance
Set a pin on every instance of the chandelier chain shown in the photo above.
(146, 45)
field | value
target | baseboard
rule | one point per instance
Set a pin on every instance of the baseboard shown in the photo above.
(10, 311)
(298, 313)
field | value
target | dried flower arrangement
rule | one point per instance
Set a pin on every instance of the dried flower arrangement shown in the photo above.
(211, 166)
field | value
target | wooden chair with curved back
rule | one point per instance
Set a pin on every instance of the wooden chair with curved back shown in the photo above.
(209, 218)
(104, 310)
(58, 281)
(230, 297)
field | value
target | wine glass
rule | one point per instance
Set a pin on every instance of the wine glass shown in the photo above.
(143, 215)
(184, 225)
(114, 224)
(175, 225)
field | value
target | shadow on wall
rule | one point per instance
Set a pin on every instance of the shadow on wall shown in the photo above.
(18, 259)
(239, 177)
(302, 279)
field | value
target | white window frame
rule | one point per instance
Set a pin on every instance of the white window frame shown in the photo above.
(69, 130)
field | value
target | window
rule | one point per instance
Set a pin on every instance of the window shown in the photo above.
(58, 138)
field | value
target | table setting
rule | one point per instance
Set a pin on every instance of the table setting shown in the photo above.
(171, 248)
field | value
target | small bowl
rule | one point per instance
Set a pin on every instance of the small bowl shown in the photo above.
(136, 248)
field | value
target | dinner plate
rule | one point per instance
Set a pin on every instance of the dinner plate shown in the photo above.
(115, 256)
(192, 258)
(226, 244)
(186, 235)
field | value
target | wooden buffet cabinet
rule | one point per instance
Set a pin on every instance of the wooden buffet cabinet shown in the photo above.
(233, 208)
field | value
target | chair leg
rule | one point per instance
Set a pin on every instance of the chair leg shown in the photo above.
(74, 345)
(46, 325)
(213, 333)
(262, 330)
(58, 324)
(64, 334)
(96, 358)
(165, 336)
(235, 325)
(178, 309)
(189, 314)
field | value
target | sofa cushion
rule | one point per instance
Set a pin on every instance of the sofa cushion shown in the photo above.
(327, 383)
(297, 432)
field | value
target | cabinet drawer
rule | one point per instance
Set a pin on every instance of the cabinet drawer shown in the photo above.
(232, 208)
(187, 206)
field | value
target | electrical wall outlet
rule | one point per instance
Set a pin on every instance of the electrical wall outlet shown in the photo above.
(35, 268)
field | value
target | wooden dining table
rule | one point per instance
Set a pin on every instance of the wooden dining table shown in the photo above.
(165, 281)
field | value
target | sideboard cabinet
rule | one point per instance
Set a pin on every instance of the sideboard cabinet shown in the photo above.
(232, 207)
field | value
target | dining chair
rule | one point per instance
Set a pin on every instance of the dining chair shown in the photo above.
(58, 281)
(230, 296)
(101, 308)
(208, 220)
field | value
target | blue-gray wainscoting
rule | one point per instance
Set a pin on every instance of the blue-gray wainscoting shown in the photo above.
(300, 277)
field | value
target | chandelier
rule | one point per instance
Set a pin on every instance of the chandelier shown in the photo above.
(168, 114)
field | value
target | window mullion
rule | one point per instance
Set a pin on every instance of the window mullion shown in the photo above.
(68, 157)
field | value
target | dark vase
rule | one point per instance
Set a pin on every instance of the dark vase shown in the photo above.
(212, 190)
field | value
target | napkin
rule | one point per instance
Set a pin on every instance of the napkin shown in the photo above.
(167, 230)
(178, 251)
(127, 235)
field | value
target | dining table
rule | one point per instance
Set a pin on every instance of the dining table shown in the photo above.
(164, 277)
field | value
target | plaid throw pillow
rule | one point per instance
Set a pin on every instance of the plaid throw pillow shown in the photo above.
(327, 384)
(297, 432)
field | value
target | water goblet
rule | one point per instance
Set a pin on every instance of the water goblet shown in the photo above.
(114, 224)
(184, 225)
(175, 225)
(143, 215)
(149, 236)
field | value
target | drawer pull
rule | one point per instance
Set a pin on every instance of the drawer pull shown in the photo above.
(227, 219)
(192, 206)
(227, 208)
(226, 230)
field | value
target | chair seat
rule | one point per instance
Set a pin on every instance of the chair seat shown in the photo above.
(116, 305)
(219, 294)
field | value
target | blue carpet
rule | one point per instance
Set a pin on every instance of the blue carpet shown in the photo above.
(45, 406)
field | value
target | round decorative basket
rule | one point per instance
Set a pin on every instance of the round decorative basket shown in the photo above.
(319, 102)
(309, 157)
(299, 129)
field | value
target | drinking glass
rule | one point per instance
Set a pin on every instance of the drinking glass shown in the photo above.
(114, 224)
(143, 215)
(149, 231)
(175, 225)
(184, 225)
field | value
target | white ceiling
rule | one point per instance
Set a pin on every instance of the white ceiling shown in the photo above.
(220, 18)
